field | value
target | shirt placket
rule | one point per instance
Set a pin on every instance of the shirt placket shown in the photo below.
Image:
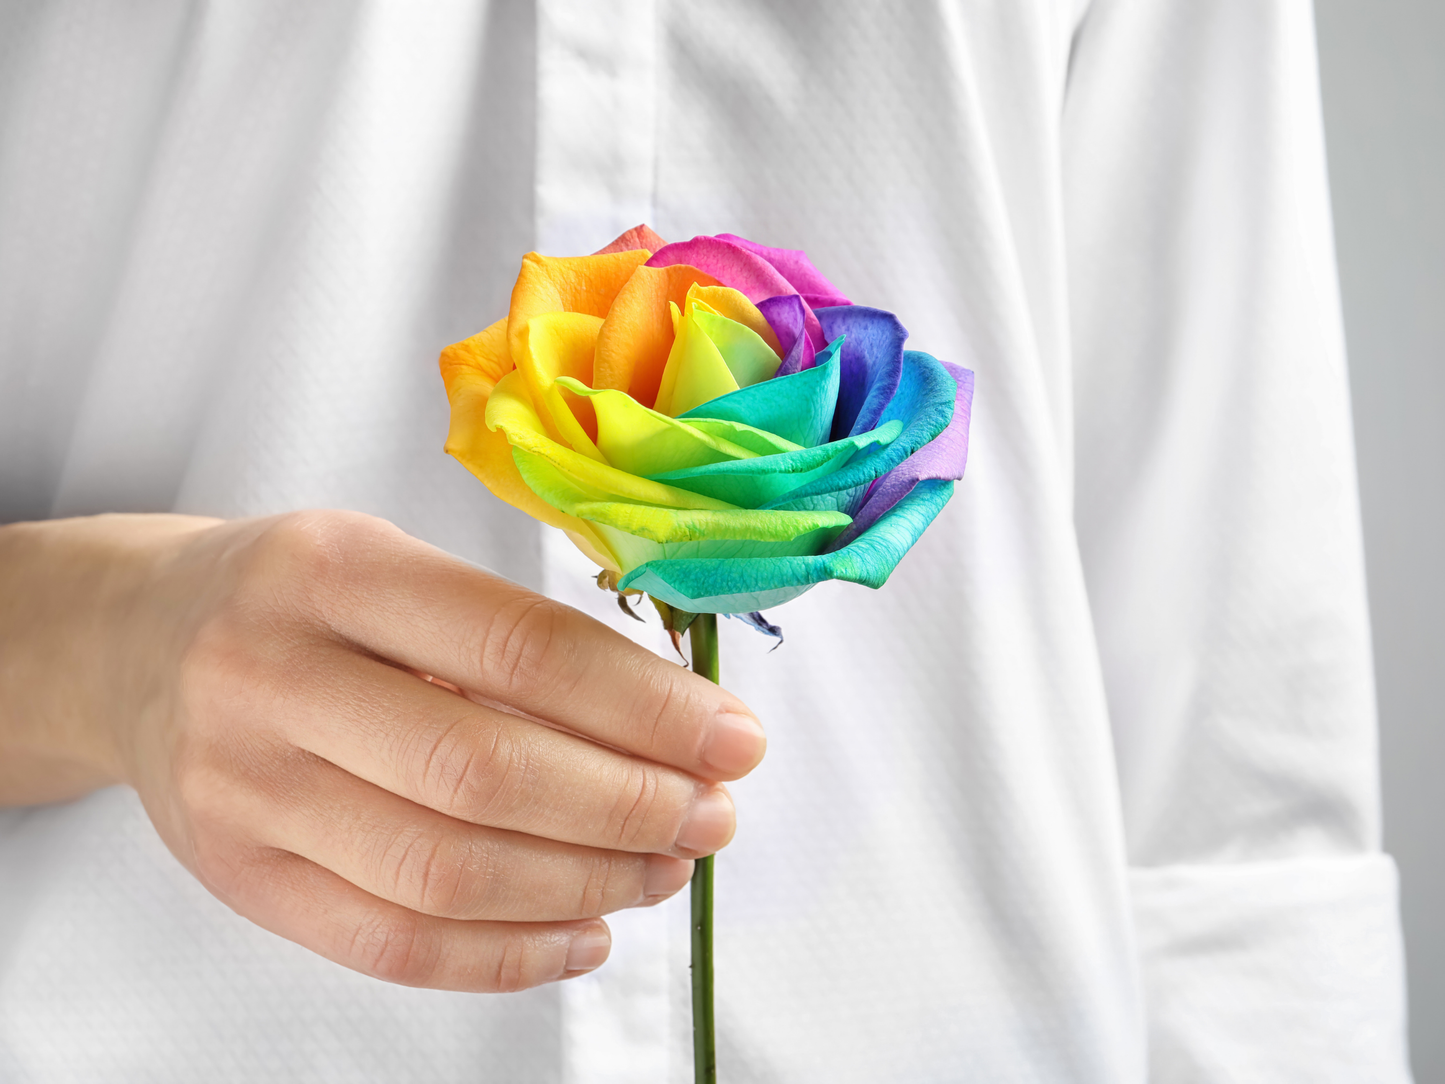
(595, 170)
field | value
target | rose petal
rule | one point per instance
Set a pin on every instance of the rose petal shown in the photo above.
(786, 316)
(924, 403)
(793, 264)
(734, 266)
(637, 335)
(639, 533)
(567, 284)
(510, 410)
(760, 481)
(744, 585)
(872, 362)
(471, 370)
(943, 458)
(798, 407)
(641, 441)
(640, 236)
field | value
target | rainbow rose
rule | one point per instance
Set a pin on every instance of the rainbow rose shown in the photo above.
(711, 421)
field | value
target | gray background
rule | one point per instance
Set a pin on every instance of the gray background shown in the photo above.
(1382, 64)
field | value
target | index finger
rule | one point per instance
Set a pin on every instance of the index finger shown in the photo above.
(413, 604)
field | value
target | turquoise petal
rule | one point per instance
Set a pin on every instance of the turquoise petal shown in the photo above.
(923, 403)
(798, 408)
(742, 585)
(765, 479)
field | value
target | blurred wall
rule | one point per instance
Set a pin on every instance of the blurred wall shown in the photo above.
(1383, 72)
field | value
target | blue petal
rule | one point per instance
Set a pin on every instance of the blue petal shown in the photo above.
(872, 364)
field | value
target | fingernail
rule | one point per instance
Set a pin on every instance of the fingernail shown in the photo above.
(709, 824)
(665, 877)
(735, 744)
(588, 950)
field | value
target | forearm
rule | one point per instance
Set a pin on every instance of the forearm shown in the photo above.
(74, 624)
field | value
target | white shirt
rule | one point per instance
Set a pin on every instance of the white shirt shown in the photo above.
(1087, 793)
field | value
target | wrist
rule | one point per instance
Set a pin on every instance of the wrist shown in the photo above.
(79, 650)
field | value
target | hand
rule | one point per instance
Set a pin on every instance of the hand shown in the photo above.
(417, 769)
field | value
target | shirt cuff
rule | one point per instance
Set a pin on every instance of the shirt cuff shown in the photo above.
(1273, 971)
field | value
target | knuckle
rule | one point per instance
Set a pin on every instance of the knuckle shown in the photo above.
(527, 647)
(300, 556)
(394, 948)
(475, 775)
(519, 965)
(600, 887)
(425, 873)
(220, 865)
(638, 809)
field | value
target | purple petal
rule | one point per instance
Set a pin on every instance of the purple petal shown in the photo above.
(786, 315)
(944, 457)
(733, 265)
(797, 269)
(872, 364)
(763, 625)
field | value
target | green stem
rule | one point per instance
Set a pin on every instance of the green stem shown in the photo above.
(704, 1044)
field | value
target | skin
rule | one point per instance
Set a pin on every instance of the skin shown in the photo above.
(414, 768)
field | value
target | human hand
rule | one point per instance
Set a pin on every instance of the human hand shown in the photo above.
(264, 687)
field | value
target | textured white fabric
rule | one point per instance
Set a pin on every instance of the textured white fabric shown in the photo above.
(1086, 794)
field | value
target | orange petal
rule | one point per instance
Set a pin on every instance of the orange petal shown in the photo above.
(636, 336)
(567, 284)
(482, 359)
(640, 236)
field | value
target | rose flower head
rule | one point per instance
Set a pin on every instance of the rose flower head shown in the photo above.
(711, 421)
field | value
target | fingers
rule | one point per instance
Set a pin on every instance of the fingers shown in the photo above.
(410, 603)
(434, 864)
(488, 767)
(323, 912)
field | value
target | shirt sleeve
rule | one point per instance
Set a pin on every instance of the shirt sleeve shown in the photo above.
(1218, 523)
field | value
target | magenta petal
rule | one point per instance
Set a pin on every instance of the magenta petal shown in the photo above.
(733, 265)
(944, 457)
(797, 269)
(786, 315)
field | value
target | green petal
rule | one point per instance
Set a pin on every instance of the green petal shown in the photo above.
(695, 370)
(761, 480)
(797, 407)
(642, 441)
(643, 532)
(748, 358)
(742, 585)
(754, 440)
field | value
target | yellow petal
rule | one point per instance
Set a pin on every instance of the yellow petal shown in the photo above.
(470, 371)
(510, 410)
(642, 441)
(637, 335)
(696, 372)
(561, 344)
